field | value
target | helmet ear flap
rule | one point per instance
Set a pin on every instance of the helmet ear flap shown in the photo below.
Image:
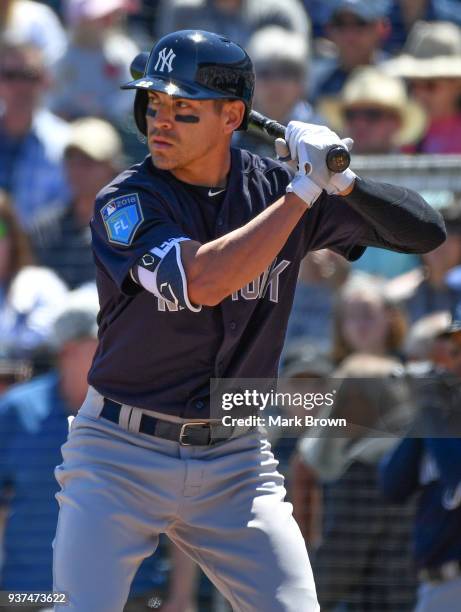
(140, 108)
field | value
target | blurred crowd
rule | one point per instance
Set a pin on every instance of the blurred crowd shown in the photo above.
(381, 514)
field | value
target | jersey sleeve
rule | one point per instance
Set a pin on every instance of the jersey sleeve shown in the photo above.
(374, 214)
(125, 227)
(332, 224)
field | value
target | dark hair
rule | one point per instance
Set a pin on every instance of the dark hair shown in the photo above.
(21, 254)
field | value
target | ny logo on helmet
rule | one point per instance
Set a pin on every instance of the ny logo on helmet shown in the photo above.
(166, 60)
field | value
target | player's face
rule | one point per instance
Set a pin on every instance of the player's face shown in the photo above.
(184, 134)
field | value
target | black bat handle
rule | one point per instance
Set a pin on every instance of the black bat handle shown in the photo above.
(269, 126)
(338, 158)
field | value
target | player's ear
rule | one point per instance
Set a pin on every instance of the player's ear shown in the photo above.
(232, 113)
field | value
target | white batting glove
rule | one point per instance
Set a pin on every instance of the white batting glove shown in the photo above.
(301, 184)
(309, 145)
(304, 188)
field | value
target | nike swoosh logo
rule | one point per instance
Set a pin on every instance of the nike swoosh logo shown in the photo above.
(213, 193)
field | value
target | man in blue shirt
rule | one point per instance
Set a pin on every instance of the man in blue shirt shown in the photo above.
(358, 29)
(33, 426)
(431, 465)
(32, 139)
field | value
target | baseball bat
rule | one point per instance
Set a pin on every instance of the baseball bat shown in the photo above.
(337, 158)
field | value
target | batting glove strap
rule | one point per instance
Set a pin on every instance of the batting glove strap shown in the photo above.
(305, 189)
(341, 181)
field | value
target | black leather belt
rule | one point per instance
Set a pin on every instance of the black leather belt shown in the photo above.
(187, 434)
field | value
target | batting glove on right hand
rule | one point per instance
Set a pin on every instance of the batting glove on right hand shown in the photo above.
(301, 184)
(309, 145)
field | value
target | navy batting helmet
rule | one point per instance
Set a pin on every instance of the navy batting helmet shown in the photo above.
(192, 64)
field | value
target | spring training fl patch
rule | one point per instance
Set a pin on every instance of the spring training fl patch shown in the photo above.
(122, 216)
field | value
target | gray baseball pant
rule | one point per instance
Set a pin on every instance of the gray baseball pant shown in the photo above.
(223, 505)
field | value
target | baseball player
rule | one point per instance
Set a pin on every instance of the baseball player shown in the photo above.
(197, 251)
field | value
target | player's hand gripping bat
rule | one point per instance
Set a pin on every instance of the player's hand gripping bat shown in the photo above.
(337, 159)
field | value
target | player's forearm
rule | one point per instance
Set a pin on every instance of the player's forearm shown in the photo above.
(218, 268)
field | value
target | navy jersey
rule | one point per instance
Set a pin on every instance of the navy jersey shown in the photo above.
(155, 355)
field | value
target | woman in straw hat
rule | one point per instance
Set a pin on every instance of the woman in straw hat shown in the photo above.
(374, 109)
(431, 63)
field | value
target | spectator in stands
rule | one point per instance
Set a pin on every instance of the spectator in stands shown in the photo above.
(358, 29)
(452, 335)
(405, 13)
(143, 22)
(365, 321)
(319, 12)
(431, 466)
(31, 138)
(304, 361)
(12, 370)
(373, 108)
(55, 5)
(97, 60)
(436, 284)
(425, 341)
(431, 62)
(29, 295)
(35, 24)
(237, 19)
(281, 61)
(321, 275)
(457, 312)
(363, 560)
(33, 426)
(93, 156)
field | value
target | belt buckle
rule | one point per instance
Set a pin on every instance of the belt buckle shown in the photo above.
(183, 431)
